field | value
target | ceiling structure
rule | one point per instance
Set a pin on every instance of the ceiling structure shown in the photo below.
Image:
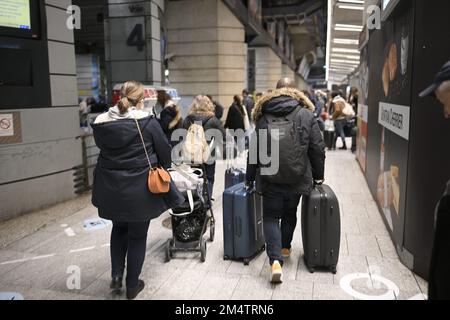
(345, 23)
(306, 22)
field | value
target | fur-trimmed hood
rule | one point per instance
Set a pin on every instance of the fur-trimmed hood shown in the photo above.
(277, 96)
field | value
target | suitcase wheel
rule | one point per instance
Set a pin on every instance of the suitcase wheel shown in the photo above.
(311, 269)
(169, 254)
(333, 269)
(226, 258)
(246, 262)
(212, 231)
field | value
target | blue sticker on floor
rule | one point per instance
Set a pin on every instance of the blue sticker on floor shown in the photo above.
(96, 224)
(10, 296)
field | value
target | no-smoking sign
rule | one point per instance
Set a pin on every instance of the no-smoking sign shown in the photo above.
(6, 125)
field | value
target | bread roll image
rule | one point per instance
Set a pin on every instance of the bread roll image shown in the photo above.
(385, 78)
(385, 193)
(393, 63)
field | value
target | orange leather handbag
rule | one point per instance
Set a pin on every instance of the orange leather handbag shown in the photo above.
(158, 178)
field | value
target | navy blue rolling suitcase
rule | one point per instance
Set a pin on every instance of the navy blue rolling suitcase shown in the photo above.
(234, 176)
(242, 224)
(321, 229)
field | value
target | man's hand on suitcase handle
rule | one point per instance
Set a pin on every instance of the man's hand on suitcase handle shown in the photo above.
(318, 182)
(249, 185)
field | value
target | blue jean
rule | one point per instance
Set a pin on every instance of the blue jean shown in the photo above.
(128, 240)
(279, 205)
(339, 126)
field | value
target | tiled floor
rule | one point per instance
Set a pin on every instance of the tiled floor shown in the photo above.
(39, 260)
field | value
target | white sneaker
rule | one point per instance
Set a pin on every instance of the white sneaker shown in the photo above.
(276, 274)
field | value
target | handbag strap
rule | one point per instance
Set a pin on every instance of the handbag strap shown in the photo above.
(143, 144)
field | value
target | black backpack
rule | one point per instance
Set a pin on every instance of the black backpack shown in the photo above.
(292, 150)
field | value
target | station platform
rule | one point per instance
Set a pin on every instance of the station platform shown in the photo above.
(41, 252)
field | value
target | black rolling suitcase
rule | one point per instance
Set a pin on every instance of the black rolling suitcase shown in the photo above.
(328, 137)
(321, 229)
(242, 224)
(234, 176)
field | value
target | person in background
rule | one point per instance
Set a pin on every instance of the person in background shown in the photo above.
(258, 96)
(218, 108)
(202, 111)
(353, 99)
(280, 200)
(236, 120)
(161, 100)
(120, 190)
(248, 103)
(439, 276)
(170, 118)
(340, 120)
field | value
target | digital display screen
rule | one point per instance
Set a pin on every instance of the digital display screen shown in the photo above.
(15, 14)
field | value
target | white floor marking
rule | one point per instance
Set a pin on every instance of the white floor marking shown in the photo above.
(14, 261)
(392, 289)
(106, 245)
(419, 296)
(43, 257)
(64, 225)
(70, 232)
(82, 249)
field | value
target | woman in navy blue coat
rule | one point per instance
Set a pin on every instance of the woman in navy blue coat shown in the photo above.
(120, 189)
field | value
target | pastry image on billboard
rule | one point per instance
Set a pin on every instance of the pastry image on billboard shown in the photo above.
(393, 65)
(395, 188)
(385, 78)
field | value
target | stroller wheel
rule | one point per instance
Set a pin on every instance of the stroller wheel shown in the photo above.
(169, 254)
(212, 231)
(202, 250)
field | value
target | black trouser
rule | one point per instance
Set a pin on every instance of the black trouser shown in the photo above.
(210, 175)
(339, 126)
(128, 239)
(279, 204)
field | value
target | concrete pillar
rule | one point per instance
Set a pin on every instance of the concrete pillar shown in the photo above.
(37, 160)
(287, 72)
(301, 83)
(207, 45)
(133, 41)
(268, 69)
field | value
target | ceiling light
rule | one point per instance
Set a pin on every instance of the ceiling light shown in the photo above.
(344, 61)
(347, 29)
(350, 26)
(345, 41)
(337, 55)
(352, 1)
(344, 50)
(350, 7)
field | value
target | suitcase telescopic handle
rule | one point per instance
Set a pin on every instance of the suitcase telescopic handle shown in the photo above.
(254, 216)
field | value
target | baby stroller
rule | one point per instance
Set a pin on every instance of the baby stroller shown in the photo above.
(190, 220)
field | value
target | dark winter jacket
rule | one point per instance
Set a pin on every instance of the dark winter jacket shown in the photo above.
(280, 103)
(120, 189)
(249, 105)
(171, 120)
(235, 118)
(208, 121)
(439, 280)
(218, 109)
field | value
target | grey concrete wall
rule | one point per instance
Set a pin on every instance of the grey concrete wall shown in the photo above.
(208, 46)
(38, 171)
(125, 62)
(268, 69)
(286, 71)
